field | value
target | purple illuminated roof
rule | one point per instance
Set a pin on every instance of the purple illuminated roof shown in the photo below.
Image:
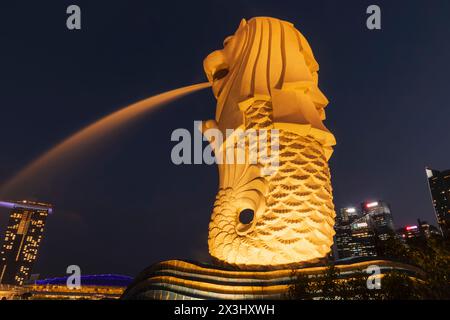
(26, 205)
(107, 280)
(8, 205)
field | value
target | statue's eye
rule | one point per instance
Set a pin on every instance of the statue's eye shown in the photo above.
(219, 74)
(246, 216)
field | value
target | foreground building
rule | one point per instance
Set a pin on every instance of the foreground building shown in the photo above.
(186, 280)
(22, 239)
(439, 183)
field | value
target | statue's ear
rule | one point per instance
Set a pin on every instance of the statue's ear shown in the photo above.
(243, 23)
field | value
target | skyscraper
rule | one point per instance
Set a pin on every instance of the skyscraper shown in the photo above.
(22, 239)
(361, 232)
(423, 230)
(378, 215)
(439, 183)
(363, 242)
(409, 232)
(343, 236)
(427, 230)
(354, 236)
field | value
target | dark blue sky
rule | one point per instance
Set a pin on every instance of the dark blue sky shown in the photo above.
(127, 206)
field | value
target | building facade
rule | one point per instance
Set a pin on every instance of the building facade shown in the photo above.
(427, 230)
(379, 217)
(21, 240)
(422, 231)
(354, 236)
(343, 236)
(439, 183)
(360, 231)
(363, 242)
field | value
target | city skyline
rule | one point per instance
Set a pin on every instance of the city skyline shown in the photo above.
(361, 229)
(359, 221)
(385, 131)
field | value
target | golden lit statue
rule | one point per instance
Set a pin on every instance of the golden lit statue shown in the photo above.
(266, 78)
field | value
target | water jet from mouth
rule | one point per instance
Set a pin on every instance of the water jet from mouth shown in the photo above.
(94, 132)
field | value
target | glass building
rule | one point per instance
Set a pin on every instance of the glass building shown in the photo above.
(379, 217)
(22, 239)
(354, 236)
(439, 183)
(423, 230)
(363, 239)
(343, 236)
(360, 230)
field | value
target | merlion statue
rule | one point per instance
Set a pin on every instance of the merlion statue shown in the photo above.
(273, 216)
(265, 78)
(272, 219)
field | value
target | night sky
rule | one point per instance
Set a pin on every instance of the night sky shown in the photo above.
(126, 206)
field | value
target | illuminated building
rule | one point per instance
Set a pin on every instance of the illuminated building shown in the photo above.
(22, 239)
(378, 215)
(422, 230)
(410, 232)
(362, 243)
(428, 230)
(439, 183)
(343, 237)
(354, 234)
(182, 280)
(358, 231)
(10, 292)
(93, 287)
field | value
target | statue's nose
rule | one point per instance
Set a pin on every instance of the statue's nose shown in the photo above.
(215, 65)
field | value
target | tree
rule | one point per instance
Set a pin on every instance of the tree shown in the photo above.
(432, 257)
(303, 288)
(355, 287)
(326, 285)
(330, 286)
(399, 286)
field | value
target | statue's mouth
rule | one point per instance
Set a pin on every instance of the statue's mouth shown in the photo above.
(217, 76)
(220, 74)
